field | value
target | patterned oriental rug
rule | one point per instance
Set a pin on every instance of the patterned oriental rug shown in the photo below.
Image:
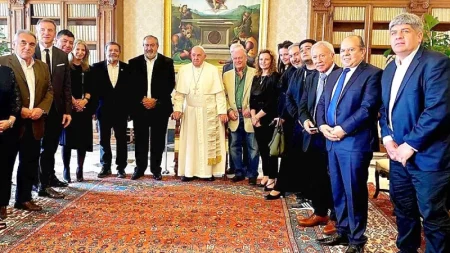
(114, 215)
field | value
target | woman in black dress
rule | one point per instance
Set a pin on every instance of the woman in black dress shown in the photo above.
(10, 108)
(78, 135)
(263, 109)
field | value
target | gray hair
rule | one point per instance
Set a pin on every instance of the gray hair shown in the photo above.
(407, 19)
(23, 31)
(153, 37)
(323, 43)
(237, 49)
(46, 20)
(236, 46)
(294, 45)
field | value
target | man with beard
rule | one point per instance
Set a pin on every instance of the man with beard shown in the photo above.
(153, 79)
(111, 77)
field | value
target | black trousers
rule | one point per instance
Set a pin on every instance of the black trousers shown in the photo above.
(8, 153)
(28, 170)
(318, 178)
(263, 135)
(120, 133)
(50, 141)
(150, 130)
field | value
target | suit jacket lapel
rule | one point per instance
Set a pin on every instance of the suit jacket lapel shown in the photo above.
(329, 86)
(248, 83)
(353, 78)
(387, 87)
(232, 94)
(409, 72)
(37, 53)
(107, 74)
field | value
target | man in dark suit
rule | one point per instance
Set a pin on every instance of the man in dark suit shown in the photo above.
(112, 79)
(347, 116)
(59, 114)
(154, 80)
(10, 108)
(415, 123)
(30, 75)
(318, 186)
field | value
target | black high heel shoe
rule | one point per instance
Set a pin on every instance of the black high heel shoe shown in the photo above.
(267, 189)
(79, 174)
(262, 185)
(273, 197)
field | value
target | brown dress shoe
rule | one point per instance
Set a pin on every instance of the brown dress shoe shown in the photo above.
(330, 228)
(3, 213)
(28, 206)
(313, 220)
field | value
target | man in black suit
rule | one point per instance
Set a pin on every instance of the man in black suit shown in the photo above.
(59, 114)
(10, 108)
(111, 80)
(154, 80)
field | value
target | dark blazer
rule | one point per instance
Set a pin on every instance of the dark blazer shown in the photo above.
(10, 101)
(306, 107)
(163, 83)
(421, 109)
(60, 76)
(43, 89)
(357, 108)
(295, 91)
(113, 102)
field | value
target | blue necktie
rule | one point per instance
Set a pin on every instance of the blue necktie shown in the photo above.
(331, 112)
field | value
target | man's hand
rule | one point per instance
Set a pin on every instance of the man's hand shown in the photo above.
(309, 127)
(149, 103)
(223, 118)
(25, 113)
(327, 132)
(391, 148)
(246, 113)
(339, 132)
(232, 115)
(66, 120)
(404, 152)
(36, 113)
(4, 125)
(176, 115)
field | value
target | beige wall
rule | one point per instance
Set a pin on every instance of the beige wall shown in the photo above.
(288, 20)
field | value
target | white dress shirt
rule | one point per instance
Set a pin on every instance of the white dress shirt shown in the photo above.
(347, 77)
(113, 73)
(150, 65)
(402, 67)
(31, 80)
(44, 54)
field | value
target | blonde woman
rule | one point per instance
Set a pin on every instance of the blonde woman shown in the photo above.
(78, 135)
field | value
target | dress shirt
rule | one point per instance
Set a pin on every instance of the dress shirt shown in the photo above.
(44, 54)
(402, 67)
(31, 80)
(113, 73)
(150, 65)
(347, 77)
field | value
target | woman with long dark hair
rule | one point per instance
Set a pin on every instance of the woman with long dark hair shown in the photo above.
(263, 109)
(78, 135)
(283, 56)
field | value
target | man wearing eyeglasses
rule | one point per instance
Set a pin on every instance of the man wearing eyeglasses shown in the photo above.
(33, 79)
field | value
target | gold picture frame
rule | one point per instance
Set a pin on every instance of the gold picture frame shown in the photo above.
(215, 25)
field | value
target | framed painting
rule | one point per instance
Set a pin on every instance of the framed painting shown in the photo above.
(214, 25)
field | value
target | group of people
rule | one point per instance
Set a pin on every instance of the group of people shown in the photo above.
(329, 115)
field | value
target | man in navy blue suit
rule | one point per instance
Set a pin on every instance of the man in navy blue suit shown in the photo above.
(347, 117)
(415, 123)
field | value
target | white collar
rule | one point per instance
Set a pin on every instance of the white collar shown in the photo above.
(150, 60)
(408, 59)
(23, 62)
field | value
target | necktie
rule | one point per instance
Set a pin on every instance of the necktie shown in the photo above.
(319, 90)
(47, 59)
(331, 112)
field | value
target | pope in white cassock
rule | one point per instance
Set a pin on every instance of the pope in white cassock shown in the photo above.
(200, 103)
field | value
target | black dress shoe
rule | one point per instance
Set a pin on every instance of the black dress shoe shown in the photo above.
(355, 249)
(79, 174)
(49, 192)
(212, 178)
(121, 174)
(186, 179)
(252, 180)
(238, 179)
(157, 177)
(54, 182)
(104, 172)
(273, 197)
(27, 206)
(229, 171)
(334, 240)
